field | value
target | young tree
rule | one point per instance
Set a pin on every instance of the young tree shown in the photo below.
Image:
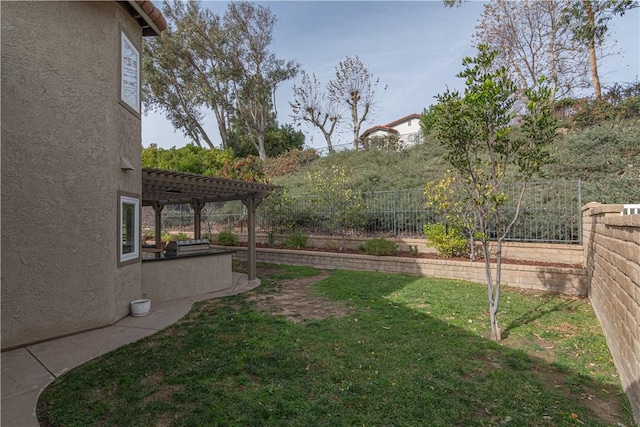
(476, 130)
(338, 196)
(311, 104)
(588, 20)
(447, 198)
(355, 87)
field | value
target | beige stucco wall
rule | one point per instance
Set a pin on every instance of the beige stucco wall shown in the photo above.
(612, 256)
(168, 279)
(63, 133)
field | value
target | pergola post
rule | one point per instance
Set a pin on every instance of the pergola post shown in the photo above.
(157, 208)
(251, 205)
(197, 206)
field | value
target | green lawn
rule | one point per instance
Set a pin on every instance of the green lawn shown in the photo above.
(412, 352)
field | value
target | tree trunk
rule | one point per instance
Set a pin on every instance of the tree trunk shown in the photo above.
(260, 146)
(593, 61)
(493, 293)
(327, 138)
(496, 334)
(204, 135)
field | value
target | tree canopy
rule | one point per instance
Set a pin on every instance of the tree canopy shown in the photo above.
(204, 61)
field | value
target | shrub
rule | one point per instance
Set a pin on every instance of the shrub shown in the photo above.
(148, 234)
(289, 162)
(297, 240)
(379, 247)
(180, 236)
(448, 241)
(227, 238)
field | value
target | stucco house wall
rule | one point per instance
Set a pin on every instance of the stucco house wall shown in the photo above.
(63, 135)
(407, 128)
(409, 124)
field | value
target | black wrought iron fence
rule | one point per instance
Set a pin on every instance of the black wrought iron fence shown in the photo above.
(550, 212)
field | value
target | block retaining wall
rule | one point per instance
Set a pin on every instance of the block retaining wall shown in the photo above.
(569, 281)
(563, 253)
(612, 257)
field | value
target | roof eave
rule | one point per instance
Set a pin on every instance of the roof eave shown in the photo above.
(148, 25)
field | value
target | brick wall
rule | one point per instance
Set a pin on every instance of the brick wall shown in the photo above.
(611, 245)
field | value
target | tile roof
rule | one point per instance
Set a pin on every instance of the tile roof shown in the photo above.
(148, 16)
(375, 128)
(389, 127)
(403, 119)
(154, 13)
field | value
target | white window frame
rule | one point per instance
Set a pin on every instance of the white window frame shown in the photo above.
(134, 255)
(129, 74)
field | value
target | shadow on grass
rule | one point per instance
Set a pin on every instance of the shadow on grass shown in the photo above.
(548, 306)
(227, 363)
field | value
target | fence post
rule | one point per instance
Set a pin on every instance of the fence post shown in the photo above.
(394, 214)
(580, 210)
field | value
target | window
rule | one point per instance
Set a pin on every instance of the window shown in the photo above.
(128, 229)
(129, 75)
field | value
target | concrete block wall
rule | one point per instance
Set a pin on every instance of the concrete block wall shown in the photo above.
(612, 258)
(569, 281)
(529, 251)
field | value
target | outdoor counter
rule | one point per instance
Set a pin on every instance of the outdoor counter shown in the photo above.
(170, 277)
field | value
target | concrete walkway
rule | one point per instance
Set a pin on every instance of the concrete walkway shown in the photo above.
(26, 371)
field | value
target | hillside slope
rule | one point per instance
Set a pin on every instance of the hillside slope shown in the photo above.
(605, 157)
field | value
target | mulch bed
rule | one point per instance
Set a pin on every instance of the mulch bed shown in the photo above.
(426, 256)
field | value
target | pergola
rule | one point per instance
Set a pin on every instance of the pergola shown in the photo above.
(163, 187)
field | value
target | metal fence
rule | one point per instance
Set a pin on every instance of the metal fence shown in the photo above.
(550, 212)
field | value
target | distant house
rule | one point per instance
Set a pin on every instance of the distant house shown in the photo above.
(402, 133)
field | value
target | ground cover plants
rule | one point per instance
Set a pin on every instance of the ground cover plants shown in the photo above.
(354, 348)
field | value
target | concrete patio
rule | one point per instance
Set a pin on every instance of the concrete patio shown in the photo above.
(26, 371)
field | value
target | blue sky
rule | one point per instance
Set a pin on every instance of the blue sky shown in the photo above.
(414, 47)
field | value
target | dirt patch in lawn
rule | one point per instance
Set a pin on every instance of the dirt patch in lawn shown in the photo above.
(295, 300)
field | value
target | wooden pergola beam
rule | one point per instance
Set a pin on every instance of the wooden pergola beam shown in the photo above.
(163, 187)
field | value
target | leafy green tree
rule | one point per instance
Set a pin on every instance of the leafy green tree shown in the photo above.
(189, 158)
(186, 71)
(588, 19)
(205, 61)
(476, 130)
(278, 139)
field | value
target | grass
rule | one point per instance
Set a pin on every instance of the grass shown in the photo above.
(412, 353)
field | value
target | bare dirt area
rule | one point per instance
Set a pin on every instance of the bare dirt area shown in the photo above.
(295, 301)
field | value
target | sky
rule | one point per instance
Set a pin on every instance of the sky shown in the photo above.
(415, 48)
